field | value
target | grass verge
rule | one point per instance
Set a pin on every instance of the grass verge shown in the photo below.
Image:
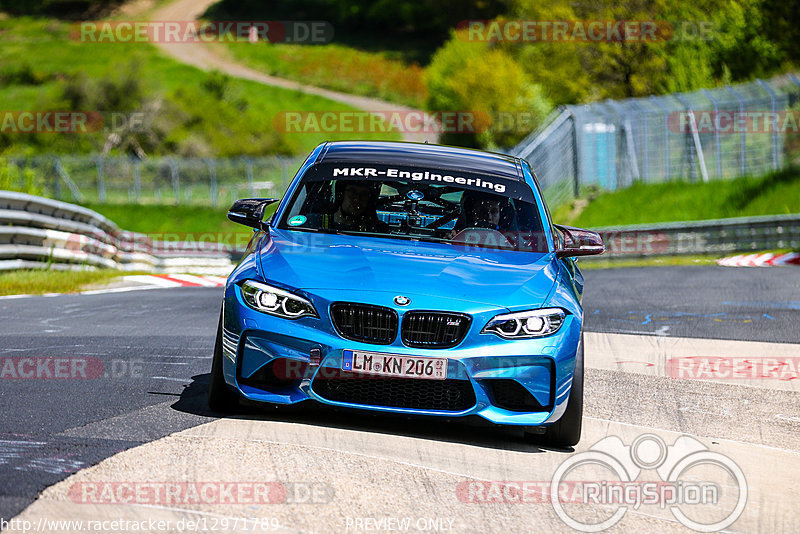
(37, 282)
(336, 67)
(173, 223)
(663, 261)
(773, 194)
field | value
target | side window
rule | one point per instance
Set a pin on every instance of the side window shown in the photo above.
(299, 202)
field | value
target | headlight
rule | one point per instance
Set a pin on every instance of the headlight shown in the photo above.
(527, 324)
(276, 301)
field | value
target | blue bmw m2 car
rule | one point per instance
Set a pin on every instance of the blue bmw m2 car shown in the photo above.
(408, 278)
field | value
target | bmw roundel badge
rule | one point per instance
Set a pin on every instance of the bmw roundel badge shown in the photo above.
(400, 300)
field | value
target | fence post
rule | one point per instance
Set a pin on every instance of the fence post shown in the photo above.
(773, 104)
(56, 183)
(248, 169)
(576, 187)
(137, 180)
(645, 140)
(212, 175)
(742, 137)
(284, 174)
(631, 150)
(665, 110)
(176, 183)
(698, 148)
(101, 183)
(717, 148)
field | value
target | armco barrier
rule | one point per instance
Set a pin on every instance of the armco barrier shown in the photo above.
(719, 236)
(37, 232)
(40, 232)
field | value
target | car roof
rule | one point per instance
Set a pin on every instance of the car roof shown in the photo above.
(422, 155)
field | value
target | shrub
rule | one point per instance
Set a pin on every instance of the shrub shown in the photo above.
(475, 77)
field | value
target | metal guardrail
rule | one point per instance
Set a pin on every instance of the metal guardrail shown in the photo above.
(37, 232)
(718, 236)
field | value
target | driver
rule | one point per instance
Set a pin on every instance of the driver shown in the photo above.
(478, 211)
(484, 213)
(357, 209)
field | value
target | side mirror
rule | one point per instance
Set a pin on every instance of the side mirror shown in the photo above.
(250, 211)
(578, 242)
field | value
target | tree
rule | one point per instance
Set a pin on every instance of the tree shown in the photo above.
(480, 79)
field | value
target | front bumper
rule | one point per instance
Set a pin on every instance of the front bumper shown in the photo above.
(520, 382)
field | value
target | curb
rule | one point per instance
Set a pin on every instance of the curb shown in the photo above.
(138, 282)
(767, 259)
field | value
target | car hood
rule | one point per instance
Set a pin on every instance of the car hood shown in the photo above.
(308, 261)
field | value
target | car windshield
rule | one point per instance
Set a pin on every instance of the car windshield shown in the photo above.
(427, 205)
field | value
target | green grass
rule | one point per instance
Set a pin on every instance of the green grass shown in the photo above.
(773, 194)
(601, 262)
(173, 223)
(27, 282)
(200, 114)
(338, 67)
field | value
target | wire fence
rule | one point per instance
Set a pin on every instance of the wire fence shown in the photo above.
(167, 180)
(727, 132)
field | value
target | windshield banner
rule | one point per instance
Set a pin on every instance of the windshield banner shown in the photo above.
(515, 189)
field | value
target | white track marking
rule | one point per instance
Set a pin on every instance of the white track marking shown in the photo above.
(193, 280)
(173, 379)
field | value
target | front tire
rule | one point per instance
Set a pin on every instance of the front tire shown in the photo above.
(221, 398)
(566, 432)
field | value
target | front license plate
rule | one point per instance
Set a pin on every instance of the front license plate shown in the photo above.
(376, 363)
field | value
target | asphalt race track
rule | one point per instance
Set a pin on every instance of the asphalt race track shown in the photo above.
(140, 415)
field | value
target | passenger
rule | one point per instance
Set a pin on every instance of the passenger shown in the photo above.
(357, 206)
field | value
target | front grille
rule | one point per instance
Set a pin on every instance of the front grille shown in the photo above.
(362, 322)
(434, 330)
(440, 395)
(511, 395)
